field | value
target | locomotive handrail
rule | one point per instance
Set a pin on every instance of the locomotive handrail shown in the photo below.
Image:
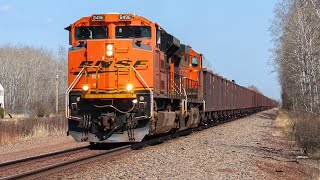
(151, 92)
(175, 86)
(118, 73)
(74, 82)
(141, 78)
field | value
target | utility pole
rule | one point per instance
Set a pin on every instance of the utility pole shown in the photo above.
(57, 94)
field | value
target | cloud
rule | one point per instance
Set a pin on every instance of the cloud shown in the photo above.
(5, 8)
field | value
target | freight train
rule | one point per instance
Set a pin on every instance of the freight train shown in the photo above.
(130, 79)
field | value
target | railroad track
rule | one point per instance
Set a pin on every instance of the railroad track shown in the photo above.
(38, 166)
(16, 169)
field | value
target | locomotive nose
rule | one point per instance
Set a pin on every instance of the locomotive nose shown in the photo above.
(109, 49)
(99, 50)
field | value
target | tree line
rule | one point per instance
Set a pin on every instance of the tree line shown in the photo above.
(29, 76)
(296, 37)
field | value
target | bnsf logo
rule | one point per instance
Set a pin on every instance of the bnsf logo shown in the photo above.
(104, 64)
(107, 64)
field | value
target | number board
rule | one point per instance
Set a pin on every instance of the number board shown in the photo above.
(125, 17)
(97, 18)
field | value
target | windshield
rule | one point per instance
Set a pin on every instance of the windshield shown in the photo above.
(91, 32)
(133, 31)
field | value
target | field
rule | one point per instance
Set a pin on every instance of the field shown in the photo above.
(14, 130)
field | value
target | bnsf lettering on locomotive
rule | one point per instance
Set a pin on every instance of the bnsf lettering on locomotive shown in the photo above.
(140, 63)
(104, 64)
(85, 63)
(123, 63)
(107, 64)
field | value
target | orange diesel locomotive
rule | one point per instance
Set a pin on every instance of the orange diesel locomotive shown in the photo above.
(129, 78)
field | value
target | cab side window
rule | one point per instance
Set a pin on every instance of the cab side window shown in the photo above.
(195, 62)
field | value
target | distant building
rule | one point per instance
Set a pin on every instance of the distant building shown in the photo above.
(2, 95)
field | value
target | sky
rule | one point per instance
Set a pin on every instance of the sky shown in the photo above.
(234, 35)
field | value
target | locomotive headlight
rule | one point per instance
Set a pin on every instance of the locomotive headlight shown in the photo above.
(109, 50)
(129, 87)
(109, 53)
(109, 47)
(85, 87)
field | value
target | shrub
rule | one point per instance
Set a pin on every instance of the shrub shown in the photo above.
(307, 132)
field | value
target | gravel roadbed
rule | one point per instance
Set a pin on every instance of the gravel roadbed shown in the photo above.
(33, 147)
(248, 148)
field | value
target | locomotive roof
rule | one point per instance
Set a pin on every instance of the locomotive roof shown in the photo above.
(113, 17)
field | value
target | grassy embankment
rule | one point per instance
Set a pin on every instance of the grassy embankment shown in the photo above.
(303, 130)
(13, 130)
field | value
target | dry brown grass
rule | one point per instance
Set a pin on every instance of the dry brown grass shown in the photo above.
(307, 133)
(303, 129)
(14, 130)
(284, 122)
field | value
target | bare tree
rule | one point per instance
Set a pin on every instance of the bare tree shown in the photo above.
(254, 88)
(27, 74)
(296, 35)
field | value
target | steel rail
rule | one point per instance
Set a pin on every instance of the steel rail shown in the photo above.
(60, 166)
(7, 163)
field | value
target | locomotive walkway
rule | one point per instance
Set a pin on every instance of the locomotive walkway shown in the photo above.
(248, 148)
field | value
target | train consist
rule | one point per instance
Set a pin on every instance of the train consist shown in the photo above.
(130, 79)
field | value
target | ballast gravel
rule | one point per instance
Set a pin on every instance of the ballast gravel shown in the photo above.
(248, 148)
(34, 147)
